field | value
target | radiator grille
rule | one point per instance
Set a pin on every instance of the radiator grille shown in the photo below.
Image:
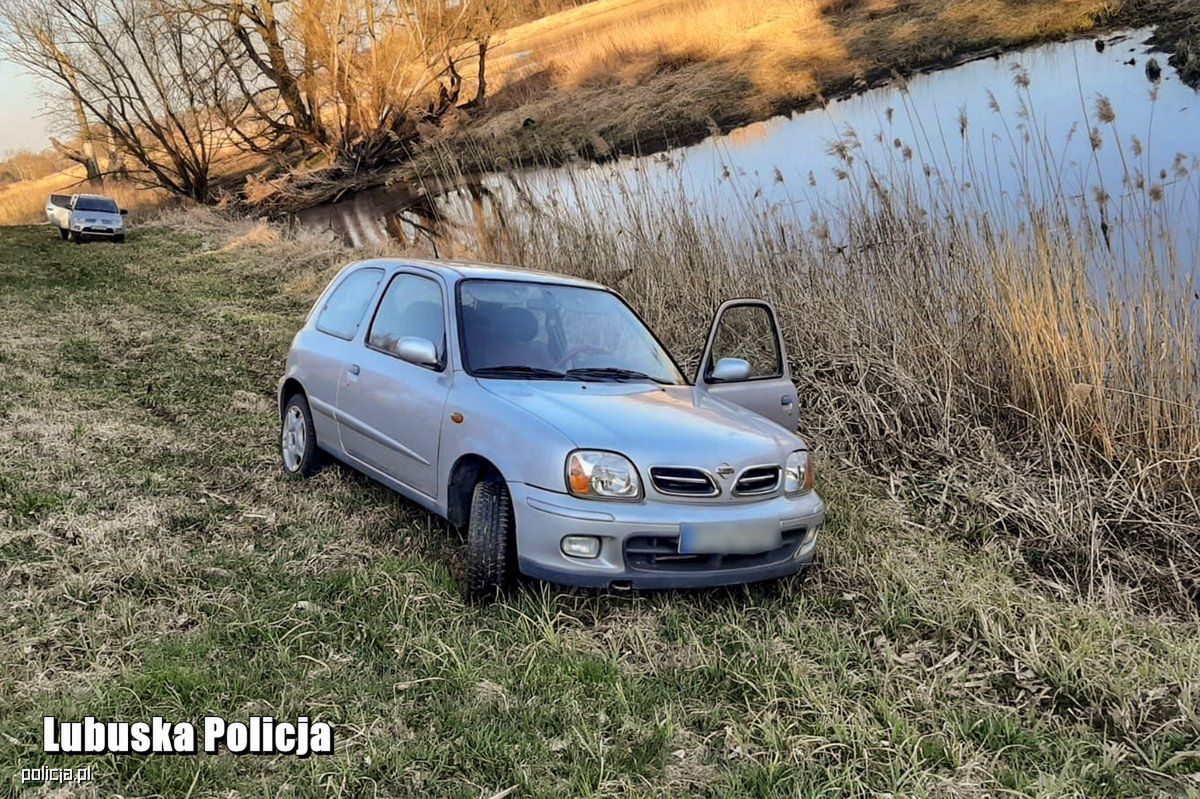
(682, 481)
(757, 480)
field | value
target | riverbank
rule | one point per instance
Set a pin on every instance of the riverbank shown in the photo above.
(618, 76)
(155, 563)
(623, 77)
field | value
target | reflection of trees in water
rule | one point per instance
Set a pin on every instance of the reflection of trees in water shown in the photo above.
(422, 216)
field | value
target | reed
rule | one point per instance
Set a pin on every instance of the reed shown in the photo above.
(1010, 368)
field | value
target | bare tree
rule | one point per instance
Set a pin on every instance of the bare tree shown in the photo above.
(486, 18)
(353, 77)
(22, 164)
(138, 69)
(85, 153)
(273, 83)
(173, 83)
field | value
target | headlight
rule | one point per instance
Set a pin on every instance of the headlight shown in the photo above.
(596, 474)
(798, 473)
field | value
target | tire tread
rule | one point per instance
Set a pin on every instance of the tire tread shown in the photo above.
(490, 549)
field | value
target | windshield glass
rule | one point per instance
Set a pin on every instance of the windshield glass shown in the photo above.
(542, 331)
(96, 204)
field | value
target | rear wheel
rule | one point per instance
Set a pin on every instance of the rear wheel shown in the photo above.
(491, 542)
(298, 439)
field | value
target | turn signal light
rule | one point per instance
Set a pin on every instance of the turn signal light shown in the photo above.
(580, 482)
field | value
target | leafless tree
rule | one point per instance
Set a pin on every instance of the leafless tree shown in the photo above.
(22, 164)
(486, 17)
(171, 84)
(138, 69)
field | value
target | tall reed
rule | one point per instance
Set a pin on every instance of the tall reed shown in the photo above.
(1029, 369)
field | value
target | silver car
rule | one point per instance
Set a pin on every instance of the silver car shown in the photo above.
(540, 413)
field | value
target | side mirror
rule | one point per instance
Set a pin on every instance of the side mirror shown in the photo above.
(124, 212)
(730, 370)
(420, 351)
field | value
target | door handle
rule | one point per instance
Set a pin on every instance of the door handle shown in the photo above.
(353, 369)
(786, 400)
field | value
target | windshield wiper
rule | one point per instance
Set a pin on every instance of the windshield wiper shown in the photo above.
(613, 373)
(516, 370)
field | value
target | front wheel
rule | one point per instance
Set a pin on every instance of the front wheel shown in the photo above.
(491, 543)
(75, 236)
(119, 238)
(298, 439)
(63, 233)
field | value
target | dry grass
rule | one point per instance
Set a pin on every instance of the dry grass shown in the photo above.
(781, 47)
(786, 49)
(1019, 381)
(24, 203)
(623, 75)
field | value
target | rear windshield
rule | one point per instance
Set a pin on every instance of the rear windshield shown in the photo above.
(96, 204)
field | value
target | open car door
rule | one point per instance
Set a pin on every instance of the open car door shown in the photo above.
(745, 362)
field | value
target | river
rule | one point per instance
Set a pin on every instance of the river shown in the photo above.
(1097, 132)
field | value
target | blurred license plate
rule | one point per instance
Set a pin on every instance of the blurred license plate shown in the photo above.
(729, 538)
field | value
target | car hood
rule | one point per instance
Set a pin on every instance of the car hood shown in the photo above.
(652, 424)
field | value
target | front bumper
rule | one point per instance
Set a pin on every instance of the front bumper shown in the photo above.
(631, 533)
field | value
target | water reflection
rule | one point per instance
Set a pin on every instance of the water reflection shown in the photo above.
(1095, 136)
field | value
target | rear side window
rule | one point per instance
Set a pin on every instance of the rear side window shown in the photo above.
(411, 306)
(347, 304)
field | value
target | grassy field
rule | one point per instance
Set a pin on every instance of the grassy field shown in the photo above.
(153, 562)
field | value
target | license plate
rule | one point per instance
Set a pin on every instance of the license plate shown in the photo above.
(746, 537)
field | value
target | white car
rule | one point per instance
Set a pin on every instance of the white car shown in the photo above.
(80, 216)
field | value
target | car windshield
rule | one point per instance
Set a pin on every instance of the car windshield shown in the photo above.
(96, 204)
(543, 331)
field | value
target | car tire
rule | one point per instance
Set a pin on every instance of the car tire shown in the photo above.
(491, 543)
(63, 233)
(298, 451)
(75, 237)
(119, 238)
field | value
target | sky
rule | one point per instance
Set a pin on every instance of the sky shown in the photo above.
(22, 121)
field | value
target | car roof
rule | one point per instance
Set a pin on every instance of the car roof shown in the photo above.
(455, 270)
(93, 196)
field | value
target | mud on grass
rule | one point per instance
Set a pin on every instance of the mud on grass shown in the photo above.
(154, 562)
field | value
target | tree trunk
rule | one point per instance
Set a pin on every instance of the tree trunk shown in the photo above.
(481, 81)
(87, 153)
(84, 156)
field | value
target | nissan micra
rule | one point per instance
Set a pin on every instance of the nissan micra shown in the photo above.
(540, 413)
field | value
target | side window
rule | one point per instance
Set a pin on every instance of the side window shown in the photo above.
(411, 306)
(747, 332)
(347, 304)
